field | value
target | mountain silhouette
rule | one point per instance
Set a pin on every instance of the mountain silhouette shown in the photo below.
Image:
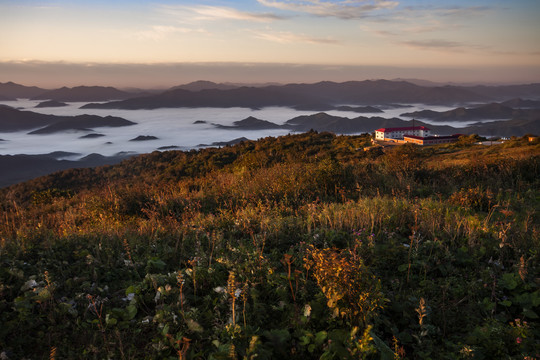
(50, 103)
(204, 85)
(84, 93)
(251, 123)
(16, 120)
(491, 111)
(322, 95)
(12, 90)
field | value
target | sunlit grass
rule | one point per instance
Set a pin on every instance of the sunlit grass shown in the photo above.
(294, 247)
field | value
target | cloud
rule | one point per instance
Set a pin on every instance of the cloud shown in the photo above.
(433, 44)
(459, 11)
(427, 27)
(206, 12)
(285, 37)
(441, 44)
(343, 9)
(158, 32)
(383, 33)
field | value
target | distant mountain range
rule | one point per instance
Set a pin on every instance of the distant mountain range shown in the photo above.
(323, 95)
(84, 93)
(16, 120)
(13, 91)
(493, 111)
(204, 85)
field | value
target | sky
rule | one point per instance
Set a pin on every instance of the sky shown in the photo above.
(157, 43)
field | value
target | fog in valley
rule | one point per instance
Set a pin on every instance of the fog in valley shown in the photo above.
(181, 128)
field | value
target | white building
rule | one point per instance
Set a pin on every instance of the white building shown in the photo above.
(399, 132)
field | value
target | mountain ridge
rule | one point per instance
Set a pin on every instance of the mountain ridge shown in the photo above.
(12, 90)
(84, 93)
(323, 94)
(17, 120)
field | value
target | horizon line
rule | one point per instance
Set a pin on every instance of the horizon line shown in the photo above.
(165, 74)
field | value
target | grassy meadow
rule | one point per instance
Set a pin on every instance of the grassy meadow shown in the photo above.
(299, 247)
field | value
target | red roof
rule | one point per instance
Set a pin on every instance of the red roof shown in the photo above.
(402, 129)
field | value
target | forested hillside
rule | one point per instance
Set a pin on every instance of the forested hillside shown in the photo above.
(301, 247)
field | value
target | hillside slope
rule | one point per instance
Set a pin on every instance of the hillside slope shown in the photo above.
(303, 246)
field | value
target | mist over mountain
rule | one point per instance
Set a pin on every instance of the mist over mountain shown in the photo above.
(50, 103)
(342, 125)
(491, 111)
(15, 120)
(82, 123)
(275, 110)
(324, 122)
(521, 103)
(516, 127)
(251, 123)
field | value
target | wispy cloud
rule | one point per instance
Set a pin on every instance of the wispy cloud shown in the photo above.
(463, 11)
(383, 33)
(441, 44)
(433, 44)
(428, 27)
(433, 28)
(205, 12)
(344, 9)
(285, 37)
(159, 32)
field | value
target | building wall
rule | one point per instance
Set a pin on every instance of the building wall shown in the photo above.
(399, 134)
(429, 141)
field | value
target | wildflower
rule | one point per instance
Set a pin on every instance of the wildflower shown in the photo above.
(307, 310)
(129, 297)
(219, 289)
(237, 293)
(519, 340)
(30, 284)
(467, 351)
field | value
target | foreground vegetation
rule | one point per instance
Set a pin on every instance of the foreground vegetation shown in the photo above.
(299, 247)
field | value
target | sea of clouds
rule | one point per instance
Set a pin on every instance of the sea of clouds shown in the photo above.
(172, 127)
